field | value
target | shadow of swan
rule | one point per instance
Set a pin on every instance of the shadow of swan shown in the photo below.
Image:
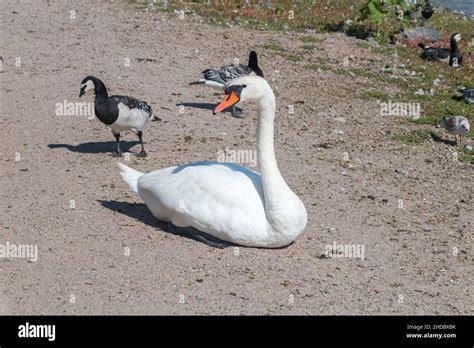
(139, 211)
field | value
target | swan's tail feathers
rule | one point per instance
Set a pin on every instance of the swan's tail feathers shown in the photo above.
(130, 176)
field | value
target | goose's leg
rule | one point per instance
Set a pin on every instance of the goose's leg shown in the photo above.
(117, 153)
(142, 153)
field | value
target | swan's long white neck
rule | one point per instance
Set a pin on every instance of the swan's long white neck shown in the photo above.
(279, 199)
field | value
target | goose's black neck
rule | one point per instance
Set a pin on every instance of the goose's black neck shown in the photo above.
(454, 45)
(253, 63)
(101, 94)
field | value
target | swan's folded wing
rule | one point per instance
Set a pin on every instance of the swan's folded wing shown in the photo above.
(216, 198)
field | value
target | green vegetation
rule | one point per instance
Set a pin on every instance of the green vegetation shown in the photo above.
(273, 46)
(380, 18)
(308, 47)
(308, 39)
(316, 67)
(467, 156)
(374, 95)
(416, 136)
(445, 82)
(385, 17)
(294, 58)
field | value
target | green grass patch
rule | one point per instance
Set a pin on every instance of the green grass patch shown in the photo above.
(374, 95)
(448, 23)
(166, 9)
(316, 67)
(308, 47)
(466, 156)
(415, 137)
(273, 46)
(295, 59)
(308, 39)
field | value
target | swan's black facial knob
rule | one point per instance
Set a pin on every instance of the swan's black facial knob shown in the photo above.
(235, 88)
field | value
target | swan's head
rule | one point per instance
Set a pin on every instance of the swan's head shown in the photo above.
(247, 88)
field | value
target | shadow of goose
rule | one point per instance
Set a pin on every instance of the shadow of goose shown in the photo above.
(96, 147)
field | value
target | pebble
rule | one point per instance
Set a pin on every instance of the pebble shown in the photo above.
(427, 228)
(468, 147)
(402, 172)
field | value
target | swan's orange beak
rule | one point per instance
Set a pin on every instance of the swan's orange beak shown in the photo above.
(229, 100)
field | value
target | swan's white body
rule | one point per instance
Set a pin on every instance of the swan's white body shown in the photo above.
(227, 201)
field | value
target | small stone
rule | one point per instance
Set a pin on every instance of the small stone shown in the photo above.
(426, 228)
(402, 172)
(468, 147)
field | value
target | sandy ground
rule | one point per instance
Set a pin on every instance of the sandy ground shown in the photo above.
(418, 255)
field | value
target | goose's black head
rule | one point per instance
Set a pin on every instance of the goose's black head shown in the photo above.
(93, 83)
(253, 63)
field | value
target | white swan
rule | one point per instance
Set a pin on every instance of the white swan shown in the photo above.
(226, 201)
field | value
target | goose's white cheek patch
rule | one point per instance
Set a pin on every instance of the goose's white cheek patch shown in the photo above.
(88, 85)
